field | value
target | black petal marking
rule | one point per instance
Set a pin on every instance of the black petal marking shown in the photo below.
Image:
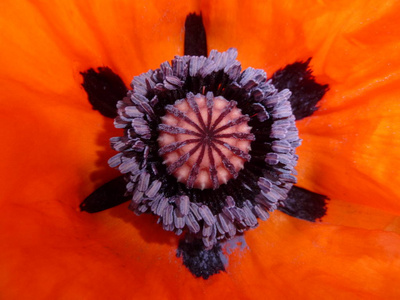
(306, 93)
(195, 36)
(107, 196)
(200, 261)
(104, 88)
(304, 204)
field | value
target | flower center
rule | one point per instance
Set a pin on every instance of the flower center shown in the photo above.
(204, 140)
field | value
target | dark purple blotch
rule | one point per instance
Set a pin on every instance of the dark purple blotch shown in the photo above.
(195, 36)
(200, 261)
(304, 204)
(104, 88)
(306, 92)
(107, 196)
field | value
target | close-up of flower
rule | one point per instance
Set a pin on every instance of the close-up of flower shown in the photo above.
(200, 149)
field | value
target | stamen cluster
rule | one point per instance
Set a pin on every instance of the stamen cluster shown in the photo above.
(210, 207)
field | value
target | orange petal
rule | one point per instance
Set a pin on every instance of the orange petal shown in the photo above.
(55, 42)
(307, 261)
(350, 153)
(267, 35)
(352, 141)
(55, 150)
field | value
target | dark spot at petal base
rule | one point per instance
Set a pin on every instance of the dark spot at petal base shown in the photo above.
(304, 204)
(306, 93)
(104, 88)
(195, 36)
(200, 261)
(107, 196)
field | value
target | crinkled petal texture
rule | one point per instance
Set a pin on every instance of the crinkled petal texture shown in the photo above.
(350, 145)
(54, 151)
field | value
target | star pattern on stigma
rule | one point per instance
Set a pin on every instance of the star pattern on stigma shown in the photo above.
(206, 147)
(204, 140)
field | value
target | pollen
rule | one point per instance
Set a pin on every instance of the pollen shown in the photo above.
(204, 140)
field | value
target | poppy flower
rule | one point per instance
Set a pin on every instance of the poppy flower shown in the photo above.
(55, 151)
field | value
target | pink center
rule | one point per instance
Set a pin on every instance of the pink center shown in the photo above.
(204, 140)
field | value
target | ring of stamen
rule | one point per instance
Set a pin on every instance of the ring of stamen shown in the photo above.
(204, 140)
(260, 187)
